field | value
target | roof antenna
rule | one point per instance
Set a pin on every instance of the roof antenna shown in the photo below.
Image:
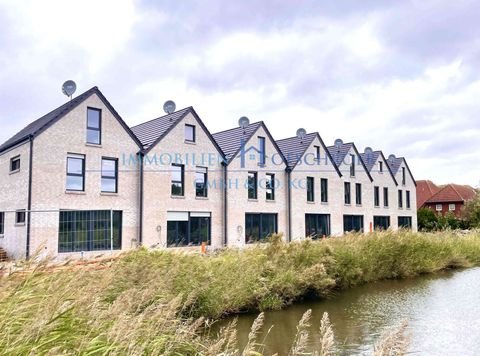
(301, 133)
(68, 88)
(169, 107)
(243, 122)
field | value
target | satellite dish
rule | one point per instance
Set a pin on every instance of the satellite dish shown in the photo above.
(368, 150)
(391, 157)
(301, 133)
(243, 122)
(169, 106)
(338, 143)
(68, 88)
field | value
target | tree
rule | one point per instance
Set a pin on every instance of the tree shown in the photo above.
(471, 212)
(427, 219)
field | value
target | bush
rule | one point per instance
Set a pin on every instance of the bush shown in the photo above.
(427, 219)
(471, 212)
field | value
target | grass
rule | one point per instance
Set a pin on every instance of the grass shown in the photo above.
(161, 302)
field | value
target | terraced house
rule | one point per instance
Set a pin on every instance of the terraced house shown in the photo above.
(78, 181)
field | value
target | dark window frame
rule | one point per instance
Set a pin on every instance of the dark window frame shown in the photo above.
(404, 178)
(181, 181)
(323, 190)
(20, 217)
(316, 219)
(260, 217)
(407, 199)
(82, 175)
(381, 222)
(400, 199)
(96, 129)
(252, 192)
(404, 222)
(194, 133)
(270, 187)
(347, 190)
(262, 148)
(352, 165)
(2, 222)
(351, 220)
(115, 178)
(380, 166)
(317, 153)
(201, 192)
(385, 197)
(206, 220)
(376, 196)
(358, 194)
(310, 189)
(13, 161)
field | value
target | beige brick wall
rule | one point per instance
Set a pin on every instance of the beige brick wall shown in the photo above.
(410, 186)
(157, 183)
(307, 167)
(50, 152)
(238, 203)
(14, 196)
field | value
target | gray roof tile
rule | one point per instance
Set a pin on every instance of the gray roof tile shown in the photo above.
(294, 148)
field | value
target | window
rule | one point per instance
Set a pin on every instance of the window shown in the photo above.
(403, 176)
(348, 194)
(358, 194)
(178, 179)
(407, 197)
(270, 186)
(317, 153)
(317, 225)
(190, 133)
(381, 222)
(201, 186)
(376, 196)
(380, 167)
(451, 207)
(89, 230)
(353, 223)
(262, 148)
(94, 126)
(76, 172)
(324, 190)
(109, 175)
(352, 165)
(252, 185)
(438, 207)
(15, 164)
(400, 199)
(310, 189)
(188, 229)
(20, 217)
(385, 197)
(405, 222)
(2, 223)
(258, 227)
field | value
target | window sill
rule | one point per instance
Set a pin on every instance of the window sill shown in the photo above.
(75, 192)
(324, 203)
(377, 206)
(177, 196)
(310, 202)
(270, 201)
(358, 205)
(346, 204)
(201, 198)
(14, 172)
(190, 142)
(261, 165)
(2, 236)
(93, 145)
(19, 224)
(253, 200)
(109, 194)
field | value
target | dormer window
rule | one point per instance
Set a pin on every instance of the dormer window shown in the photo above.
(15, 164)
(94, 126)
(189, 133)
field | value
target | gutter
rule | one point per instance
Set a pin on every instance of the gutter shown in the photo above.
(225, 204)
(289, 205)
(29, 207)
(140, 209)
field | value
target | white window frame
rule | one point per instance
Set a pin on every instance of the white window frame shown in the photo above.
(451, 207)
(438, 207)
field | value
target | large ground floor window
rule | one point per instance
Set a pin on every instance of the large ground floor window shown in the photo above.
(317, 225)
(353, 223)
(188, 229)
(405, 222)
(89, 231)
(381, 222)
(258, 227)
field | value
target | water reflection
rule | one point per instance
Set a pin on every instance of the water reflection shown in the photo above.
(443, 312)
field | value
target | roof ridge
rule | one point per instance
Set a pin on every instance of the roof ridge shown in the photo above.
(293, 137)
(160, 117)
(235, 128)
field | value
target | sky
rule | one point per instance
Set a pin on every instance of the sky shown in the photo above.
(398, 76)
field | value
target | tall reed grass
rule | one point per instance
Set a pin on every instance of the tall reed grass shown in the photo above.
(162, 302)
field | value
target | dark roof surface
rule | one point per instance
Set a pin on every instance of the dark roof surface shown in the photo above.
(339, 153)
(294, 148)
(370, 160)
(230, 141)
(395, 164)
(149, 132)
(41, 124)
(45, 121)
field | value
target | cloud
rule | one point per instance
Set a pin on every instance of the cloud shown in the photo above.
(397, 76)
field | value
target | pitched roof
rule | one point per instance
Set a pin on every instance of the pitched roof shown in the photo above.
(294, 148)
(425, 190)
(231, 141)
(370, 162)
(44, 122)
(452, 193)
(395, 163)
(339, 153)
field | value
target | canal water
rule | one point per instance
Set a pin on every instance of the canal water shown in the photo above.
(442, 311)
